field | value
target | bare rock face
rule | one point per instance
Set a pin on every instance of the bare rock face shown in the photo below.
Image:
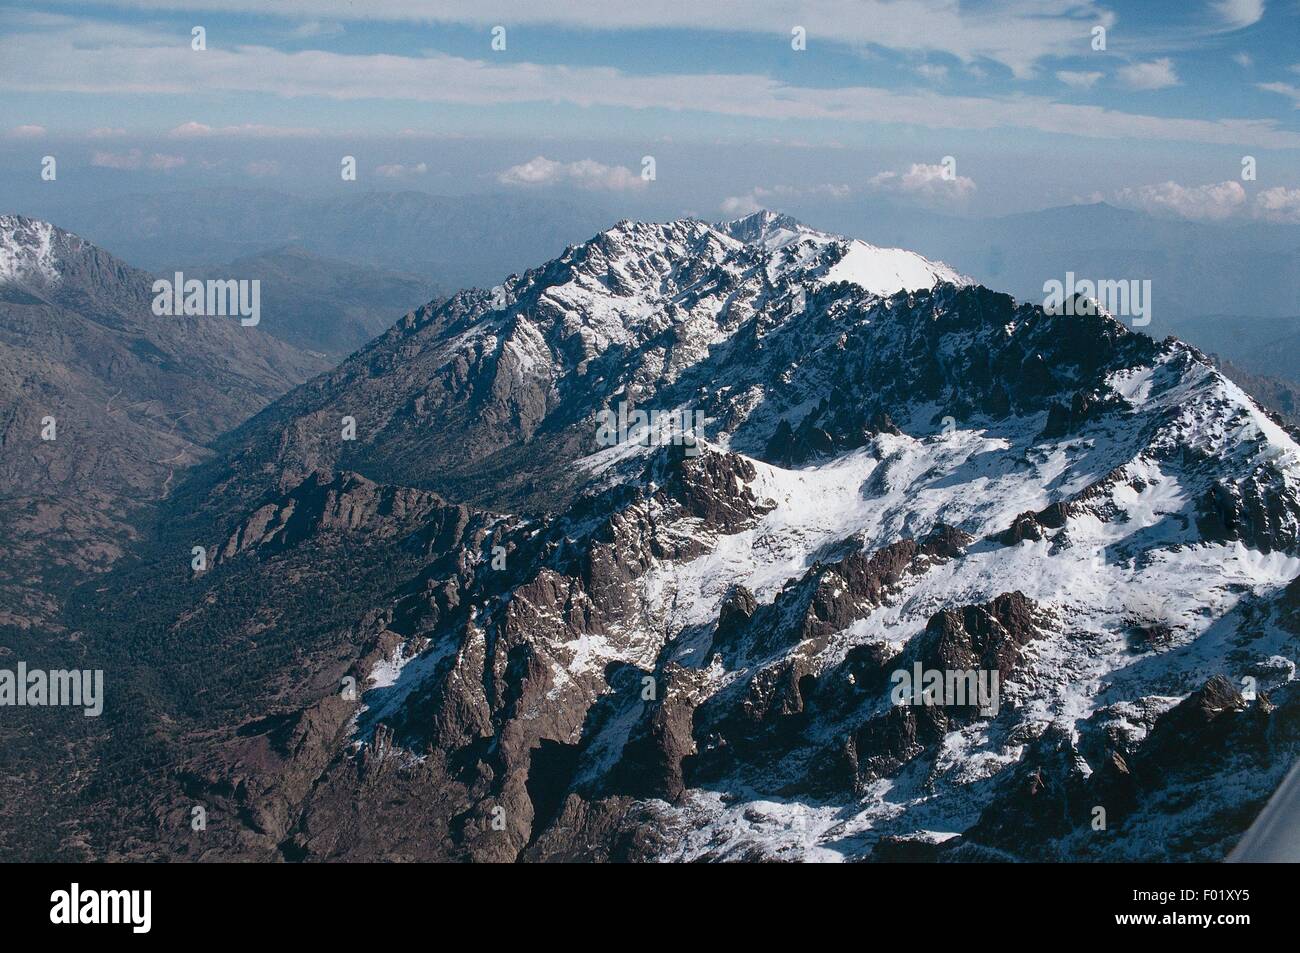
(1084, 407)
(1258, 511)
(341, 503)
(1034, 526)
(713, 488)
(651, 762)
(986, 637)
(1290, 606)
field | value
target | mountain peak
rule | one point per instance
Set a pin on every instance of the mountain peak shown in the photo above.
(27, 251)
(768, 228)
(882, 271)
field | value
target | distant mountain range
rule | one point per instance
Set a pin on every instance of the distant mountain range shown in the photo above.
(448, 616)
(1267, 346)
(450, 242)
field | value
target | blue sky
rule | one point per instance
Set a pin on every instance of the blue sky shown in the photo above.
(1014, 91)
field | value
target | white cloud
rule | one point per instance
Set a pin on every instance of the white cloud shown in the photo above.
(1283, 89)
(1278, 204)
(1244, 60)
(105, 132)
(191, 129)
(1078, 80)
(776, 195)
(738, 206)
(1237, 14)
(935, 74)
(110, 160)
(27, 132)
(585, 174)
(925, 183)
(1158, 74)
(316, 28)
(825, 190)
(398, 171)
(1215, 202)
(1210, 203)
(165, 163)
(262, 168)
(198, 130)
(135, 159)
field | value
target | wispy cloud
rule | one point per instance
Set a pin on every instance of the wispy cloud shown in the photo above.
(82, 61)
(398, 171)
(135, 159)
(584, 174)
(1016, 33)
(262, 168)
(1237, 14)
(1157, 74)
(739, 206)
(1078, 80)
(921, 183)
(932, 72)
(198, 130)
(930, 184)
(1283, 89)
(165, 163)
(316, 28)
(27, 132)
(774, 196)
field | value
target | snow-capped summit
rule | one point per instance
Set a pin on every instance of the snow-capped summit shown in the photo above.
(28, 251)
(884, 271)
(832, 258)
(51, 264)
